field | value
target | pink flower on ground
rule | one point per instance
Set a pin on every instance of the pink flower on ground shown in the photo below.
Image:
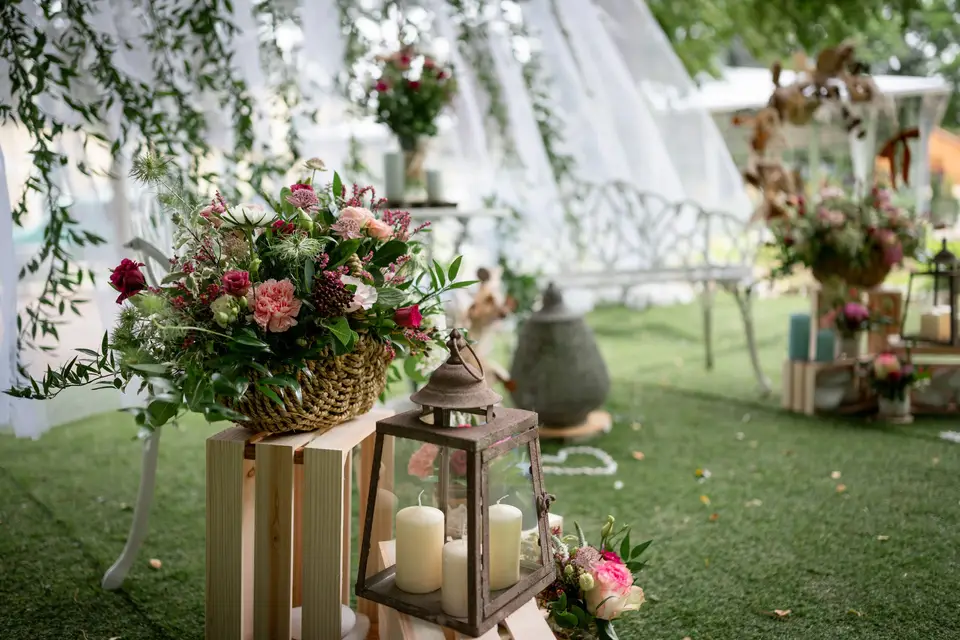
(613, 592)
(346, 229)
(274, 305)
(421, 462)
(236, 283)
(379, 229)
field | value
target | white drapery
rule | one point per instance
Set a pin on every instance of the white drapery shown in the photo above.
(612, 80)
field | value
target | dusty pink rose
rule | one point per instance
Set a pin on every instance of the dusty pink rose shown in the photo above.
(274, 305)
(421, 462)
(211, 215)
(613, 591)
(357, 214)
(236, 283)
(379, 229)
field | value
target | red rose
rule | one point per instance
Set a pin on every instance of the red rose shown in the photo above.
(281, 226)
(128, 279)
(236, 283)
(441, 75)
(299, 186)
(611, 556)
(408, 317)
(382, 86)
(415, 85)
(405, 61)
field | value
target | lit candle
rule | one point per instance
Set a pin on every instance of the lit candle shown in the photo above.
(453, 594)
(506, 523)
(419, 549)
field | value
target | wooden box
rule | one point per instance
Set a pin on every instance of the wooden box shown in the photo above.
(279, 529)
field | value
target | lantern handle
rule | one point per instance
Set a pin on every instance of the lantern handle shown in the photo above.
(455, 348)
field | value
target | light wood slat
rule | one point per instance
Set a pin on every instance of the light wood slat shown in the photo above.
(229, 496)
(297, 535)
(273, 540)
(347, 516)
(323, 490)
(528, 622)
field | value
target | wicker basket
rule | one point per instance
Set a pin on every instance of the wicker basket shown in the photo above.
(865, 277)
(339, 389)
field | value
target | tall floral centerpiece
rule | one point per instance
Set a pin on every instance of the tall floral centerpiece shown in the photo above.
(282, 316)
(595, 585)
(850, 319)
(839, 236)
(408, 96)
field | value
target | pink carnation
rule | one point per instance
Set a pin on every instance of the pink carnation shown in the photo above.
(421, 462)
(274, 305)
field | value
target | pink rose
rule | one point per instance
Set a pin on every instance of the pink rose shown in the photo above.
(421, 462)
(356, 214)
(613, 591)
(236, 283)
(885, 364)
(379, 229)
(408, 317)
(274, 305)
(300, 186)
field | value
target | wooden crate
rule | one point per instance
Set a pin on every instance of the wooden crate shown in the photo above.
(279, 529)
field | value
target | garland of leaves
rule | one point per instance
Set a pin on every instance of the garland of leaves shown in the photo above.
(50, 58)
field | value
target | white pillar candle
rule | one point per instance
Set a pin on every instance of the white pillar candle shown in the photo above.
(419, 549)
(453, 594)
(506, 523)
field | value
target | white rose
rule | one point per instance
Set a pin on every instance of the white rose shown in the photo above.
(363, 298)
(248, 214)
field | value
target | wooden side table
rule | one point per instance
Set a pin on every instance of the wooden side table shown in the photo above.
(279, 529)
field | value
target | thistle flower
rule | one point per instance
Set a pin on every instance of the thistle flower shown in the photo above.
(346, 228)
(304, 199)
(586, 558)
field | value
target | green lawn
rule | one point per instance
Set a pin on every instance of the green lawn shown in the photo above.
(783, 536)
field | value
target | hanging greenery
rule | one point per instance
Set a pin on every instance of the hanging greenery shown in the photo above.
(70, 77)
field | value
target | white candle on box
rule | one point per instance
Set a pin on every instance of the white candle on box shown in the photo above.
(506, 525)
(453, 594)
(419, 549)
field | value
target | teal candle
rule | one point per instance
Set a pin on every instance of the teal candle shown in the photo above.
(826, 345)
(798, 339)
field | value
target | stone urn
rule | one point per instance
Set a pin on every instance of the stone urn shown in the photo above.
(557, 368)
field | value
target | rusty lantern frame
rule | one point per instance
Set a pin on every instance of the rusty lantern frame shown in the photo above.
(943, 267)
(456, 386)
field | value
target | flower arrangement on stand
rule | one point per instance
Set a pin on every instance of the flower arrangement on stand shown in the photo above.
(595, 585)
(281, 317)
(850, 319)
(839, 236)
(892, 380)
(408, 96)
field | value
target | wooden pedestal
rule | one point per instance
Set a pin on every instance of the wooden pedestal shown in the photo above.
(597, 422)
(526, 623)
(278, 529)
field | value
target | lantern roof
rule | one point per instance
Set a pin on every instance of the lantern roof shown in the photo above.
(457, 385)
(945, 257)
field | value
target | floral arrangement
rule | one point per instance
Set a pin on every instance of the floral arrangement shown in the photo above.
(841, 229)
(409, 94)
(256, 294)
(890, 377)
(850, 318)
(595, 585)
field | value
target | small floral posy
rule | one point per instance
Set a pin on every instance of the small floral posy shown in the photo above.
(892, 378)
(594, 585)
(257, 295)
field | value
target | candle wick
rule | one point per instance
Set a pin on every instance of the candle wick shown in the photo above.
(420, 498)
(503, 498)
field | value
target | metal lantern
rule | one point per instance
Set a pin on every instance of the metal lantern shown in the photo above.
(459, 564)
(938, 325)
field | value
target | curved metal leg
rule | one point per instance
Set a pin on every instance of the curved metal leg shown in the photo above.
(115, 575)
(743, 298)
(706, 298)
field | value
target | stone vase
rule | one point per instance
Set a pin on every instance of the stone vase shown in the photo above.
(894, 407)
(848, 346)
(557, 368)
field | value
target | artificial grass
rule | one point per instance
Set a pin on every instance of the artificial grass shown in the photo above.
(783, 536)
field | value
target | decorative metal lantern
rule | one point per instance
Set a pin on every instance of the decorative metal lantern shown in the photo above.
(459, 564)
(938, 322)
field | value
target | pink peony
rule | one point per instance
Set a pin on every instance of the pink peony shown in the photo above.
(421, 462)
(274, 305)
(236, 283)
(613, 591)
(379, 229)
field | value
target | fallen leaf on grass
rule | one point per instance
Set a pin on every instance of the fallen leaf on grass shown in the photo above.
(754, 503)
(638, 455)
(841, 488)
(687, 638)
(705, 499)
(714, 517)
(618, 485)
(76, 592)
(788, 452)
(746, 417)
(936, 461)
(779, 614)
(854, 612)
(883, 538)
(701, 474)
(754, 444)
(706, 562)
(156, 564)
(835, 475)
(636, 426)
(740, 435)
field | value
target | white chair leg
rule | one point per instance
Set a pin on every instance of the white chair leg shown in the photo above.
(115, 575)
(743, 298)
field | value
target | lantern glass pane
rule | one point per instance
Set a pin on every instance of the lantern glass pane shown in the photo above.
(512, 520)
(929, 312)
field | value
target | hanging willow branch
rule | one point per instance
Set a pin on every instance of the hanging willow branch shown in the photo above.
(55, 55)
